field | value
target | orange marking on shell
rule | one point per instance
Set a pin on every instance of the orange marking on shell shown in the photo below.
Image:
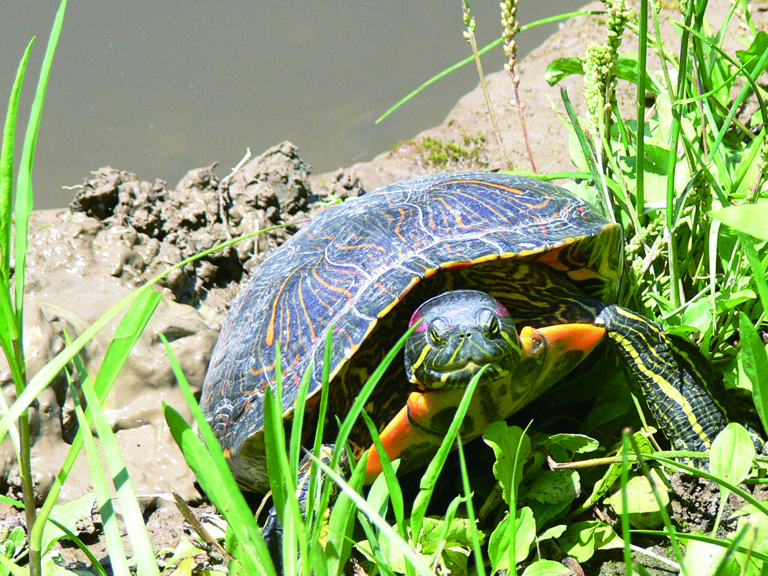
(483, 183)
(306, 314)
(366, 245)
(263, 369)
(332, 287)
(397, 226)
(276, 300)
(384, 289)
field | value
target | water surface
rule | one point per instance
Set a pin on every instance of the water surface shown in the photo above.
(158, 88)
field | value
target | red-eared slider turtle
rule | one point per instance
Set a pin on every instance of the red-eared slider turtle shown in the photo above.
(501, 270)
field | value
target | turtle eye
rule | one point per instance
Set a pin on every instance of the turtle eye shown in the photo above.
(493, 328)
(436, 330)
(488, 322)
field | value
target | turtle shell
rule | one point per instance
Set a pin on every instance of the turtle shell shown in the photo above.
(363, 266)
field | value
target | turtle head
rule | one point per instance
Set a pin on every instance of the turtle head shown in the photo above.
(460, 332)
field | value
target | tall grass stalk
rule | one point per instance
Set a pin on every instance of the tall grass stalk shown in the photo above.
(13, 308)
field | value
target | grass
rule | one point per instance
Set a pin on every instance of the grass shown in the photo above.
(688, 184)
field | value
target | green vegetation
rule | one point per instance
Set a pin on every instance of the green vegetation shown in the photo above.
(688, 183)
(437, 153)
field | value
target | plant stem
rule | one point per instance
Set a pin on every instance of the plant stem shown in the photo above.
(25, 461)
(641, 65)
(511, 28)
(677, 113)
(469, 34)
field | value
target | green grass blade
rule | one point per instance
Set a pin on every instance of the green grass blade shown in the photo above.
(321, 415)
(410, 554)
(134, 520)
(13, 568)
(274, 445)
(470, 509)
(82, 546)
(482, 51)
(6, 166)
(709, 540)
(10, 331)
(222, 489)
(390, 477)
(132, 515)
(342, 522)
(756, 267)
(24, 181)
(354, 412)
(428, 481)
(212, 470)
(281, 479)
(117, 557)
(298, 421)
(126, 335)
(642, 54)
(755, 362)
(669, 528)
(586, 148)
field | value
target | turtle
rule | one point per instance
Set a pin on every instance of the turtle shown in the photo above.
(506, 274)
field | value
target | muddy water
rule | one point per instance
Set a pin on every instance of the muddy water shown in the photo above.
(158, 87)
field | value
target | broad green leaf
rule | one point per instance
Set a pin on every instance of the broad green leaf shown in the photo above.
(732, 454)
(561, 68)
(546, 568)
(555, 486)
(12, 567)
(754, 360)
(752, 55)
(699, 314)
(728, 301)
(755, 526)
(581, 539)
(643, 511)
(554, 532)
(500, 541)
(702, 559)
(457, 531)
(751, 219)
(506, 441)
(578, 443)
(612, 474)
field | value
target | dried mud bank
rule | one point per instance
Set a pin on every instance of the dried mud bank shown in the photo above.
(119, 233)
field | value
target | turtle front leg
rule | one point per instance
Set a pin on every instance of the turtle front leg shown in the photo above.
(682, 390)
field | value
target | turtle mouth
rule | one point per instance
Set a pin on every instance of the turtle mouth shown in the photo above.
(459, 375)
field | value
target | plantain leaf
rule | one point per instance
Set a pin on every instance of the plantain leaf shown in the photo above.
(748, 218)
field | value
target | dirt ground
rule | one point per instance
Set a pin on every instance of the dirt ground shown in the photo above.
(120, 231)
